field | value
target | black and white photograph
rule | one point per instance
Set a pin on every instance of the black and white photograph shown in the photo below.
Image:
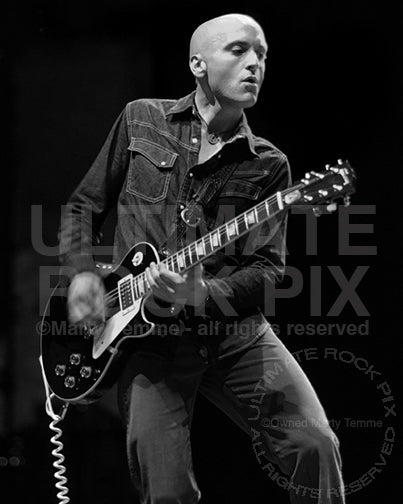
(201, 252)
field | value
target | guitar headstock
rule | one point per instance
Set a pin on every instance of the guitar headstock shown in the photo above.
(325, 188)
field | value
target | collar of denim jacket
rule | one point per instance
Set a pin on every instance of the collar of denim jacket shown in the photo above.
(243, 130)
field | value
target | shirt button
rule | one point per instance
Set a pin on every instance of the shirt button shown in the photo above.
(190, 174)
(181, 207)
(163, 163)
(194, 140)
(203, 352)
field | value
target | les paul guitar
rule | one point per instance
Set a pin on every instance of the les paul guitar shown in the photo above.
(81, 362)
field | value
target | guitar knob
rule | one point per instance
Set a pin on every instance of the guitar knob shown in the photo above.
(69, 381)
(85, 371)
(60, 370)
(75, 359)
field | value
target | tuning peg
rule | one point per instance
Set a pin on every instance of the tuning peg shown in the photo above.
(327, 167)
(328, 209)
(338, 187)
(339, 161)
(331, 208)
(319, 175)
(323, 192)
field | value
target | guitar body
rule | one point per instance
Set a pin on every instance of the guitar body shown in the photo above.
(82, 363)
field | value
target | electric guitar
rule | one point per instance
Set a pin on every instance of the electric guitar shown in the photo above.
(81, 362)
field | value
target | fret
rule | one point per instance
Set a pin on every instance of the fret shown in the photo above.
(174, 263)
(267, 205)
(223, 235)
(227, 232)
(181, 260)
(279, 200)
(236, 226)
(256, 214)
(207, 245)
(193, 254)
(245, 218)
(187, 257)
(200, 252)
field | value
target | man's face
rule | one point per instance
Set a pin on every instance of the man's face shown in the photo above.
(236, 63)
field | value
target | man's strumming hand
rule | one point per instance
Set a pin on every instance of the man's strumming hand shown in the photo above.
(86, 298)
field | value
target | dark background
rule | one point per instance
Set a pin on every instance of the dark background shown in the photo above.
(332, 91)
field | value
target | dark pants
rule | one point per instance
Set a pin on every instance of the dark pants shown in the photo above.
(262, 389)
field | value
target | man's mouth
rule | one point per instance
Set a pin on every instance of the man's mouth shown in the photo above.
(251, 79)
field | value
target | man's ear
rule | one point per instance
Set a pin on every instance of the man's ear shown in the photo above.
(198, 66)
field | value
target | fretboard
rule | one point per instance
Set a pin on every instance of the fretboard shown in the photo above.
(199, 250)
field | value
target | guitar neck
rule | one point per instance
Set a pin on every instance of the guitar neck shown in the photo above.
(199, 250)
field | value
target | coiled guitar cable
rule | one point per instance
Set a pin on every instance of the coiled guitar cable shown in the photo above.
(61, 483)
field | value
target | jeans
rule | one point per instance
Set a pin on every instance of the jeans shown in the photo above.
(262, 389)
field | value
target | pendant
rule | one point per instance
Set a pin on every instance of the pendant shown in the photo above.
(192, 216)
(213, 138)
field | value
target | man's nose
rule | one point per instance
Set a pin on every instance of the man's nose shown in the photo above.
(253, 62)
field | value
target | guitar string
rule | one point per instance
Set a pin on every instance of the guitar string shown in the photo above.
(114, 293)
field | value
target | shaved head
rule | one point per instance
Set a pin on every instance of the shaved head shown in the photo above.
(208, 34)
(227, 58)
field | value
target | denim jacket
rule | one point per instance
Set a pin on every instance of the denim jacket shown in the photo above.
(148, 171)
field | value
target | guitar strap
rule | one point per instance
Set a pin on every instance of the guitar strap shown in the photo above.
(192, 214)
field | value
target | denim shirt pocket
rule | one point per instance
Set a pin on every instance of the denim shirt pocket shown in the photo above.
(241, 189)
(150, 170)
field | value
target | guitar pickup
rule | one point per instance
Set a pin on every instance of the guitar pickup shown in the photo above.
(126, 294)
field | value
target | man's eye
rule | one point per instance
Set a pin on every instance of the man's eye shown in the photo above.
(237, 50)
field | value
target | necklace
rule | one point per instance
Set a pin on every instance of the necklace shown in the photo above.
(215, 137)
(212, 138)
